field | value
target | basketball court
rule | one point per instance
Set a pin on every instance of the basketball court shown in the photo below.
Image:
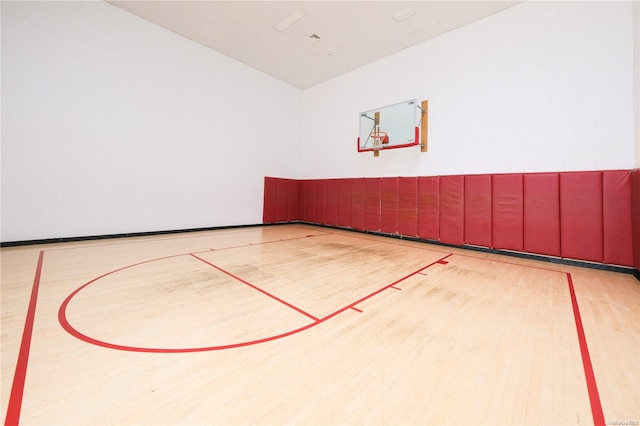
(311, 325)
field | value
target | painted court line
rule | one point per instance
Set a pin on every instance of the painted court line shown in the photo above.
(592, 388)
(19, 377)
(357, 302)
(255, 287)
(17, 389)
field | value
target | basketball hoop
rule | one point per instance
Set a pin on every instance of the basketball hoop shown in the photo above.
(379, 139)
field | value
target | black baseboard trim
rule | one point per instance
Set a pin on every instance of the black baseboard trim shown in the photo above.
(125, 235)
(522, 255)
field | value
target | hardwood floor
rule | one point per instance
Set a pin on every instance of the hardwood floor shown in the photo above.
(297, 324)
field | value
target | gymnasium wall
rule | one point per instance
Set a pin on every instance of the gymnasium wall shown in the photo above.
(111, 124)
(584, 216)
(539, 87)
(636, 77)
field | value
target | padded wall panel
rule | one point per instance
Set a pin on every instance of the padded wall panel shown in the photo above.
(429, 208)
(308, 200)
(344, 203)
(294, 200)
(372, 204)
(357, 204)
(616, 217)
(477, 210)
(508, 212)
(270, 205)
(542, 213)
(389, 205)
(320, 207)
(332, 202)
(581, 233)
(452, 209)
(408, 206)
(635, 216)
(282, 210)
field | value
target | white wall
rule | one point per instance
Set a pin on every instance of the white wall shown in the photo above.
(542, 86)
(111, 124)
(636, 77)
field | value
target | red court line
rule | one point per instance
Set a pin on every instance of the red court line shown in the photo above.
(181, 236)
(356, 309)
(17, 389)
(265, 242)
(72, 331)
(255, 287)
(592, 388)
(357, 302)
(390, 242)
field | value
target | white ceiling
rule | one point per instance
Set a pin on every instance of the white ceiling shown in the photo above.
(361, 31)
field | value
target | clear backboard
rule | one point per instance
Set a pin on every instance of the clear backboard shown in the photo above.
(388, 127)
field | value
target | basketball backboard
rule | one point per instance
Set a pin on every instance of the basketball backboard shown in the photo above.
(397, 124)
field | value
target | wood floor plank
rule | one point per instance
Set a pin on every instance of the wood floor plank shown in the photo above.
(475, 338)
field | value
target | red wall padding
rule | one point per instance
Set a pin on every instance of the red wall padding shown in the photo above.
(344, 203)
(507, 212)
(477, 210)
(357, 204)
(270, 205)
(616, 217)
(581, 233)
(389, 205)
(408, 206)
(320, 206)
(592, 216)
(308, 200)
(332, 202)
(372, 204)
(429, 208)
(294, 200)
(452, 209)
(542, 213)
(635, 216)
(282, 209)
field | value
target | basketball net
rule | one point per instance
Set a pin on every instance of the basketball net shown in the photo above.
(379, 138)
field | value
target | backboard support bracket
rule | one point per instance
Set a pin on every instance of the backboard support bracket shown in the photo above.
(424, 125)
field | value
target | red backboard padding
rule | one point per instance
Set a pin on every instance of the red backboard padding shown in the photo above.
(270, 206)
(357, 204)
(389, 205)
(429, 208)
(294, 200)
(332, 202)
(581, 233)
(321, 201)
(452, 209)
(616, 217)
(477, 210)
(635, 216)
(282, 210)
(372, 204)
(542, 213)
(344, 203)
(507, 212)
(408, 206)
